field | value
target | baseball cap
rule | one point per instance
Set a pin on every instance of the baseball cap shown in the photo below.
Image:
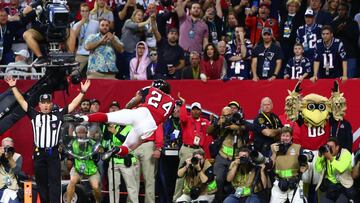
(23, 53)
(309, 12)
(114, 103)
(45, 98)
(173, 30)
(266, 30)
(196, 104)
(234, 103)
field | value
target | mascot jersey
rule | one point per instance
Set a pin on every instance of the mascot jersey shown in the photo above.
(313, 137)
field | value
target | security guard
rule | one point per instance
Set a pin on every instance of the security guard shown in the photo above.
(125, 166)
(83, 168)
(285, 156)
(267, 127)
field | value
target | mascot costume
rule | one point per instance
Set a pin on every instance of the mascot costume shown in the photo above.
(314, 114)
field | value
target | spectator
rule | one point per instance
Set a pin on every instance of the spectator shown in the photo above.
(229, 30)
(102, 46)
(132, 32)
(287, 168)
(125, 166)
(308, 34)
(7, 34)
(298, 67)
(9, 186)
(94, 105)
(213, 65)
(347, 30)
(257, 23)
(21, 66)
(171, 55)
(13, 9)
(152, 70)
(83, 168)
(213, 18)
(194, 33)
(101, 11)
(289, 24)
(247, 180)
(357, 19)
(151, 12)
(267, 127)
(194, 136)
(330, 57)
(199, 179)
(139, 64)
(192, 71)
(332, 8)
(342, 130)
(221, 47)
(84, 106)
(237, 56)
(266, 58)
(321, 17)
(80, 32)
(8, 143)
(334, 163)
(240, 6)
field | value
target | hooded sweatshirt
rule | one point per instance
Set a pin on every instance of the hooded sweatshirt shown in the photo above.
(138, 65)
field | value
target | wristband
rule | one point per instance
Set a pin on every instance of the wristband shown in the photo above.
(12, 86)
(83, 92)
(274, 75)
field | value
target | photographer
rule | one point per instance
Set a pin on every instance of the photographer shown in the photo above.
(83, 168)
(246, 178)
(231, 135)
(334, 163)
(289, 164)
(8, 144)
(199, 179)
(356, 172)
(8, 181)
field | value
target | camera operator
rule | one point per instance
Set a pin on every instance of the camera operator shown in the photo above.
(39, 28)
(231, 135)
(8, 144)
(246, 179)
(83, 168)
(8, 181)
(334, 163)
(199, 179)
(288, 168)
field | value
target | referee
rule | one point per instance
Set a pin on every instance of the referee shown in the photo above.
(46, 125)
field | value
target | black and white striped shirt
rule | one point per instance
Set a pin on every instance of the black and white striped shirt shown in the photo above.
(46, 127)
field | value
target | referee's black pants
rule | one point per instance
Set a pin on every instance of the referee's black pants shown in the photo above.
(48, 175)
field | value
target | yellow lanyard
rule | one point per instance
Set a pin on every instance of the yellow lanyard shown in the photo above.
(267, 118)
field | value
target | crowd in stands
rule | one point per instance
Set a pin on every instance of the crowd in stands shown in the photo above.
(205, 39)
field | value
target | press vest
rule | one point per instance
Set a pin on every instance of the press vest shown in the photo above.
(287, 166)
(86, 166)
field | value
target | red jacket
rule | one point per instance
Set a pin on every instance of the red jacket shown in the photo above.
(157, 137)
(212, 71)
(256, 25)
(191, 128)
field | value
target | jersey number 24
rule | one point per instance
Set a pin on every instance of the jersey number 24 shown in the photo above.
(155, 99)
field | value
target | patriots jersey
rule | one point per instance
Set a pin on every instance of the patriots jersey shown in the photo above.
(295, 68)
(238, 69)
(307, 36)
(330, 58)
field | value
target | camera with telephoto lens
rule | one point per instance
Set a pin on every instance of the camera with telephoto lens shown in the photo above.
(305, 157)
(283, 147)
(244, 160)
(324, 149)
(194, 161)
(257, 158)
(9, 150)
(237, 118)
